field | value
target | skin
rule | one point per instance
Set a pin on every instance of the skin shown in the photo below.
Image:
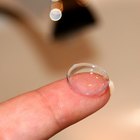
(40, 114)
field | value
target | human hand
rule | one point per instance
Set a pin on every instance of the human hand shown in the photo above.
(40, 114)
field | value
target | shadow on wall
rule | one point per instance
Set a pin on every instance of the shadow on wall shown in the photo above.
(59, 54)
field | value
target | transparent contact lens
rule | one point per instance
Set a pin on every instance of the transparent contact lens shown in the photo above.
(88, 79)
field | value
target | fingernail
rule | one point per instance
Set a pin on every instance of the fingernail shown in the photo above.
(111, 86)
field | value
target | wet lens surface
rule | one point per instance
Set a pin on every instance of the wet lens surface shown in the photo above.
(87, 79)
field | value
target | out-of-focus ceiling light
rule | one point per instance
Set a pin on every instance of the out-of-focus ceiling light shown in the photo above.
(56, 10)
(55, 14)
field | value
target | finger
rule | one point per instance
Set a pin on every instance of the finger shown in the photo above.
(42, 113)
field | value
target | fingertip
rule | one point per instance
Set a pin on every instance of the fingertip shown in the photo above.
(50, 109)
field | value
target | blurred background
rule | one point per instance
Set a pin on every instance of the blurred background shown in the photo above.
(38, 45)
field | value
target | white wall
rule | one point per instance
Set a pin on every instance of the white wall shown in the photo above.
(113, 44)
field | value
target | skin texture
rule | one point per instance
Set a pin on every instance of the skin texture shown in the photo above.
(40, 114)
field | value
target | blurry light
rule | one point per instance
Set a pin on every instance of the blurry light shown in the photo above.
(55, 14)
(56, 10)
(57, 4)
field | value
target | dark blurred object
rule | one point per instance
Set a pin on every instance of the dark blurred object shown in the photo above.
(74, 18)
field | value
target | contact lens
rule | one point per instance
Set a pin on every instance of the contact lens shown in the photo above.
(88, 79)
